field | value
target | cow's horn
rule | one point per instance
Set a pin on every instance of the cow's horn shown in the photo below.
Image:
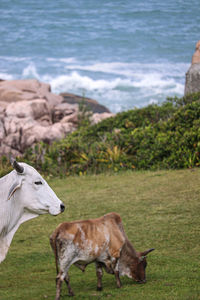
(147, 252)
(17, 166)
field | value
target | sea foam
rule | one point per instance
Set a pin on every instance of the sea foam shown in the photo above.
(117, 85)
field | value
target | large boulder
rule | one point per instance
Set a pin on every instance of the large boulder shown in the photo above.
(27, 115)
(196, 55)
(47, 134)
(30, 113)
(14, 124)
(192, 81)
(2, 131)
(64, 110)
(92, 105)
(37, 109)
(22, 133)
(28, 89)
(3, 106)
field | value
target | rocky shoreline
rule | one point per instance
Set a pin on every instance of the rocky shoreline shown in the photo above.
(30, 112)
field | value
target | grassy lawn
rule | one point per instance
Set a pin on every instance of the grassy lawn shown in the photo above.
(159, 210)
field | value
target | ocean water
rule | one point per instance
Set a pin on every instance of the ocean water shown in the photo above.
(124, 54)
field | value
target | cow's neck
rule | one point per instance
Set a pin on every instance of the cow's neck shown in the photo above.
(15, 218)
(127, 258)
(128, 251)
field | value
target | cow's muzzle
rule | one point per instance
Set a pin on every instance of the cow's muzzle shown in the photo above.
(62, 207)
(141, 281)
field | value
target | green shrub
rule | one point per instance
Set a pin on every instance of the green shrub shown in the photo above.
(165, 136)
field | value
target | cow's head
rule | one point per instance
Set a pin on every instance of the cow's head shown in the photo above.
(139, 266)
(33, 192)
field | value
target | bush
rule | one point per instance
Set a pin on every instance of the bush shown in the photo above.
(163, 136)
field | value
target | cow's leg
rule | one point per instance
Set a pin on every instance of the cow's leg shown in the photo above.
(116, 272)
(67, 257)
(81, 267)
(117, 279)
(63, 275)
(71, 293)
(59, 282)
(99, 273)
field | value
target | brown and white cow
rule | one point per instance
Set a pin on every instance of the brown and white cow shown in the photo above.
(102, 241)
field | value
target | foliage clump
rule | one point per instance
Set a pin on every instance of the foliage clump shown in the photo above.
(165, 136)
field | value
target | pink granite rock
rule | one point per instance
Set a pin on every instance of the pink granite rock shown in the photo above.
(192, 77)
(196, 55)
(34, 109)
(30, 113)
(29, 89)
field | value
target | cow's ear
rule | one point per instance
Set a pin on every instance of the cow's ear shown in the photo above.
(13, 188)
(141, 258)
(147, 252)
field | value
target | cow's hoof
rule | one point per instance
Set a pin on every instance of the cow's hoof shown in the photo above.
(99, 289)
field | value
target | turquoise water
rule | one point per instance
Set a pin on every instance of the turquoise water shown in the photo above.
(124, 54)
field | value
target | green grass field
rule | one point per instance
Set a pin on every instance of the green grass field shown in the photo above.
(159, 210)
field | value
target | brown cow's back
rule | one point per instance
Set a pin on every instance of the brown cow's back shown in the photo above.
(96, 235)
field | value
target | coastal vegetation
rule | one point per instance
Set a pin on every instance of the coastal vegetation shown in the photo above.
(165, 136)
(159, 209)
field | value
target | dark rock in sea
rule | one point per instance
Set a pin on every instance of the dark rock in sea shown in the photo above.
(92, 105)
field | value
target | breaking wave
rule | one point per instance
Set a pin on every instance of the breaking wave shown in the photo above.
(119, 86)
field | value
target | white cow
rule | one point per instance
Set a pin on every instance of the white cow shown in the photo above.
(24, 195)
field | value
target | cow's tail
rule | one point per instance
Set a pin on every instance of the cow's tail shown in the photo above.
(53, 243)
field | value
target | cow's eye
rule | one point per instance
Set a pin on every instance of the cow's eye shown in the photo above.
(38, 182)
